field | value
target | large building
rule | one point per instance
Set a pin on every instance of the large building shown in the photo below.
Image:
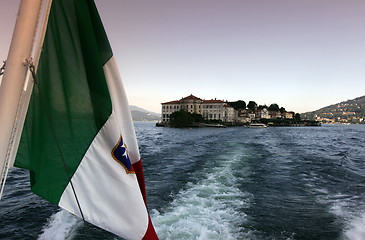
(210, 109)
(218, 110)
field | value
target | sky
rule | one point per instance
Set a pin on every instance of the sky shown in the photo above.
(301, 54)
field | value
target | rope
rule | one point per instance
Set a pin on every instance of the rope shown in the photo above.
(35, 79)
(4, 175)
(5, 170)
(2, 69)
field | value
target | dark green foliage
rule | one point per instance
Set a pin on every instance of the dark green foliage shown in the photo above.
(274, 107)
(262, 107)
(198, 118)
(238, 104)
(183, 118)
(297, 117)
(252, 105)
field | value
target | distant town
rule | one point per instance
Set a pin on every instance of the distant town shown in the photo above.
(229, 113)
(347, 112)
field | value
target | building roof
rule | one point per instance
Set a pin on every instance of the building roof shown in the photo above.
(213, 101)
(171, 102)
(191, 96)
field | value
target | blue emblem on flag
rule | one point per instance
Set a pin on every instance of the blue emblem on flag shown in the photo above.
(120, 154)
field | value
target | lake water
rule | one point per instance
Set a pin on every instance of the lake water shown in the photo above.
(226, 183)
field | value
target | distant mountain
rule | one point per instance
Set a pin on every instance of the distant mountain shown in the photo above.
(350, 111)
(140, 114)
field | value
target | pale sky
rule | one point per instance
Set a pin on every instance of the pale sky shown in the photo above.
(300, 54)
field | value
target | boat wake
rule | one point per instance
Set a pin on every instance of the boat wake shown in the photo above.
(356, 228)
(61, 225)
(209, 209)
(348, 211)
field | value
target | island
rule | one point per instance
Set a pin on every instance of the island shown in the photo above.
(192, 111)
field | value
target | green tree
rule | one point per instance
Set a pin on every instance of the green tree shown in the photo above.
(282, 110)
(183, 118)
(262, 107)
(252, 105)
(297, 117)
(274, 107)
(198, 118)
(240, 104)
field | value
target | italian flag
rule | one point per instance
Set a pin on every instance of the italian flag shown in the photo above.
(78, 140)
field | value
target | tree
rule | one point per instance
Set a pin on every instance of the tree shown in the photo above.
(240, 104)
(183, 118)
(252, 105)
(282, 110)
(262, 107)
(297, 117)
(274, 107)
(198, 118)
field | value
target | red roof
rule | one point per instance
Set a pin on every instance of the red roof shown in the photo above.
(172, 102)
(191, 96)
(213, 101)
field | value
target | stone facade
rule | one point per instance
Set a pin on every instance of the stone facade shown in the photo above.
(218, 110)
(209, 109)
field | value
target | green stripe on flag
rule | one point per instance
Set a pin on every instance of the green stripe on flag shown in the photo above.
(72, 99)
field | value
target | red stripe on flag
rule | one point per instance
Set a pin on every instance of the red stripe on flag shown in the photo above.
(150, 233)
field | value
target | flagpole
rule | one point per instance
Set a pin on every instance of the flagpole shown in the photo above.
(28, 88)
(14, 76)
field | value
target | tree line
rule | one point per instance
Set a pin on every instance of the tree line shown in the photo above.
(183, 118)
(252, 106)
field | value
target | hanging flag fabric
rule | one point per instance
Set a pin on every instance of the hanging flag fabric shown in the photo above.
(78, 140)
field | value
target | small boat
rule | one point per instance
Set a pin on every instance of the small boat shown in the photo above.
(216, 125)
(257, 125)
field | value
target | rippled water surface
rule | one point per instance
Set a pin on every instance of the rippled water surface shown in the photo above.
(231, 183)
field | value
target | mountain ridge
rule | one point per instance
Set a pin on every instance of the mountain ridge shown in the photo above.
(140, 114)
(349, 111)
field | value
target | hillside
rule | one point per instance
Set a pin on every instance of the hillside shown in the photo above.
(140, 114)
(350, 111)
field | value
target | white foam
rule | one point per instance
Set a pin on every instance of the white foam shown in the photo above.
(208, 209)
(60, 226)
(348, 210)
(356, 228)
(352, 215)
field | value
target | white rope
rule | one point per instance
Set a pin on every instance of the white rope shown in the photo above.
(5, 170)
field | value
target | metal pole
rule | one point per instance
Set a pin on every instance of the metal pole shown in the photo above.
(15, 73)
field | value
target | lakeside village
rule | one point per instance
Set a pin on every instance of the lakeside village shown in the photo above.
(192, 111)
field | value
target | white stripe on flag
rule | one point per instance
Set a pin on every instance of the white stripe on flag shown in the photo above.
(109, 198)
(121, 108)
